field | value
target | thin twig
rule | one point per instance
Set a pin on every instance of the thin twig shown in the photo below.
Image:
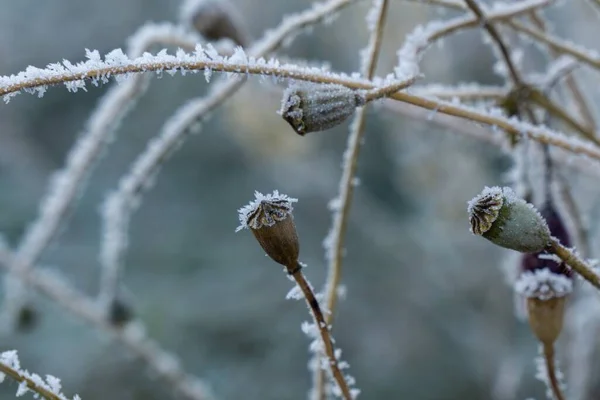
(465, 92)
(575, 262)
(576, 93)
(335, 240)
(562, 46)
(573, 211)
(31, 385)
(584, 55)
(436, 30)
(548, 350)
(493, 32)
(487, 134)
(323, 327)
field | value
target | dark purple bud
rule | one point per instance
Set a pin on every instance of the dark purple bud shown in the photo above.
(537, 261)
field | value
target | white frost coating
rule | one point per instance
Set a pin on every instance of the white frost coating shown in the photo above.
(295, 293)
(463, 90)
(421, 37)
(117, 63)
(543, 284)
(283, 201)
(29, 382)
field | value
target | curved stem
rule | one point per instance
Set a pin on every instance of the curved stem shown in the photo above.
(551, 368)
(575, 262)
(315, 309)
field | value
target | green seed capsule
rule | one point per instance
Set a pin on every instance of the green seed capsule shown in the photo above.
(508, 221)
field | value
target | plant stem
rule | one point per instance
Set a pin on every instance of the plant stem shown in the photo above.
(346, 188)
(17, 376)
(551, 368)
(315, 309)
(493, 32)
(573, 260)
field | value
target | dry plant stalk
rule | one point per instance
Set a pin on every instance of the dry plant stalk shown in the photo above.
(335, 240)
(271, 221)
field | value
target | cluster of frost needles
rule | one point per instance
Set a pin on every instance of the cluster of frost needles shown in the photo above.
(49, 388)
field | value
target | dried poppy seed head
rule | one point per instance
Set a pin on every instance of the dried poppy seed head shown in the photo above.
(508, 221)
(270, 219)
(545, 292)
(214, 20)
(311, 107)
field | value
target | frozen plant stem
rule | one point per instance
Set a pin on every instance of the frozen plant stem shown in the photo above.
(578, 265)
(346, 187)
(17, 376)
(315, 309)
(576, 93)
(491, 29)
(548, 350)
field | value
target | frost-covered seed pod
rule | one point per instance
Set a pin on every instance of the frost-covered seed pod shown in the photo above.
(508, 221)
(270, 219)
(215, 20)
(312, 107)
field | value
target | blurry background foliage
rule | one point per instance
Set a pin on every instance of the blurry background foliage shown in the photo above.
(427, 315)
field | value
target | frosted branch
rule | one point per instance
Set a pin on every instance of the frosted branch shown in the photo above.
(334, 242)
(116, 63)
(425, 35)
(581, 53)
(463, 91)
(49, 388)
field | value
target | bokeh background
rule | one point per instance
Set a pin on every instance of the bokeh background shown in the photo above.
(427, 315)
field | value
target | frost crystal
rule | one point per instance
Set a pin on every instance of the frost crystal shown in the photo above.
(543, 284)
(250, 215)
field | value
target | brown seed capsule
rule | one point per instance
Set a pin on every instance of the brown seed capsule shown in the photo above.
(215, 20)
(546, 317)
(270, 219)
(546, 292)
(508, 221)
(311, 107)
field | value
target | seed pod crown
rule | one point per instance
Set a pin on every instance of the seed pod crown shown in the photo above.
(508, 221)
(270, 219)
